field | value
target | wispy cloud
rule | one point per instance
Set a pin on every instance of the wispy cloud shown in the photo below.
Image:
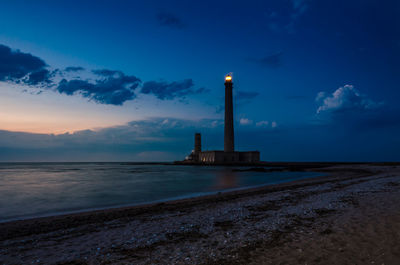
(285, 19)
(164, 90)
(266, 124)
(245, 121)
(262, 123)
(74, 69)
(299, 7)
(273, 60)
(169, 20)
(246, 95)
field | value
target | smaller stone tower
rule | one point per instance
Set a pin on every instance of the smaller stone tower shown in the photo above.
(197, 143)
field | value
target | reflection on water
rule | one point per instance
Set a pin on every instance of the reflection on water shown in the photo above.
(226, 179)
(37, 189)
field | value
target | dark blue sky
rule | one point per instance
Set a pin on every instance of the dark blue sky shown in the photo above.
(313, 80)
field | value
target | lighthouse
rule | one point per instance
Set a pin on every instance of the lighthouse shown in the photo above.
(229, 137)
(228, 156)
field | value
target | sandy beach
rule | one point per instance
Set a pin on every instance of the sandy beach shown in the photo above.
(348, 215)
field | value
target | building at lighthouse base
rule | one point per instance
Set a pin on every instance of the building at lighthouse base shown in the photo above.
(221, 157)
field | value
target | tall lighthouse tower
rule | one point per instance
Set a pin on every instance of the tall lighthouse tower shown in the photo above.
(229, 145)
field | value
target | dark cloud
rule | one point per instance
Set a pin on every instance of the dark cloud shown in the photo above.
(106, 72)
(272, 61)
(219, 109)
(41, 76)
(244, 97)
(16, 66)
(283, 18)
(107, 87)
(170, 20)
(299, 8)
(115, 88)
(164, 90)
(241, 95)
(74, 69)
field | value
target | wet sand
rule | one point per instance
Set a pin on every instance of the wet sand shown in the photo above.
(351, 215)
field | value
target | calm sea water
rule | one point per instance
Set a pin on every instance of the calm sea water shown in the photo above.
(41, 189)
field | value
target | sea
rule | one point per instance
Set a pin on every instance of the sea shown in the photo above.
(29, 190)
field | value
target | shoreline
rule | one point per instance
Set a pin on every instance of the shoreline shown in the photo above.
(242, 207)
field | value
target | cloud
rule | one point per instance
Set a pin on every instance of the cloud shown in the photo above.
(219, 109)
(354, 111)
(272, 61)
(262, 123)
(169, 20)
(16, 66)
(299, 7)
(119, 143)
(217, 123)
(167, 91)
(114, 87)
(243, 95)
(107, 72)
(266, 124)
(74, 69)
(345, 98)
(284, 18)
(167, 138)
(245, 121)
(40, 76)
(102, 86)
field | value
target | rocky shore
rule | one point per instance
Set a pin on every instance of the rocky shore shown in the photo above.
(349, 215)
